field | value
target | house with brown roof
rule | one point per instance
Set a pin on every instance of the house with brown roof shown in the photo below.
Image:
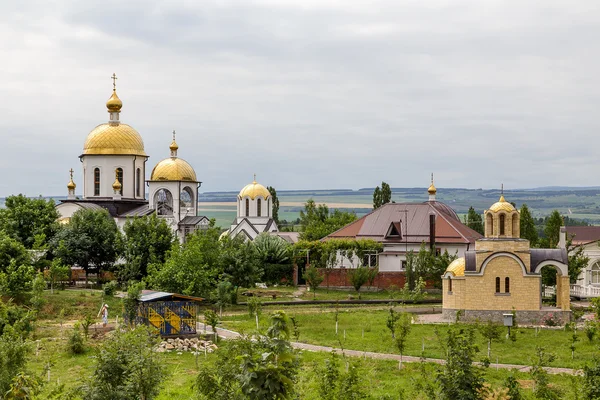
(403, 227)
(587, 238)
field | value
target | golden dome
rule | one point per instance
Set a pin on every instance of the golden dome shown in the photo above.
(432, 189)
(173, 169)
(71, 185)
(502, 205)
(173, 145)
(114, 104)
(114, 139)
(457, 267)
(254, 190)
(116, 184)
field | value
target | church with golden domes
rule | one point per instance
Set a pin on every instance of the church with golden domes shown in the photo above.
(503, 274)
(114, 171)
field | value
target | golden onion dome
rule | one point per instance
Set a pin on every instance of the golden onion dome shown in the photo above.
(502, 205)
(114, 139)
(173, 146)
(114, 104)
(173, 169)
(254, 190)
(71, 185)
(457, 267)
(432, 189)
(116, 184)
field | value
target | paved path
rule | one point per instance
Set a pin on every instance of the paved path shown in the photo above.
(227, 334)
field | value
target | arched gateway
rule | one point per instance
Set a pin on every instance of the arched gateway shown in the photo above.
(503, 274)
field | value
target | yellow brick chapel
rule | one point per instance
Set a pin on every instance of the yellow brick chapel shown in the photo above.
(503, 273)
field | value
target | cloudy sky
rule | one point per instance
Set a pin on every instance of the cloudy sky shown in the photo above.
(308, 94)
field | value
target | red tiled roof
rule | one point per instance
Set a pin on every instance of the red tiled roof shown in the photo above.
(583, 234)
(414, 223)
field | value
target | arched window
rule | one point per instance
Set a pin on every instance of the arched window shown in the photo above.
(186, 202)
(258, 210)
(497, 284)
(247, 207)
(138, 182)
(120, 178)
(489, 225)
(163, 201)
(96, 181)
(507, 285)
(450, 284)
(595, 278)
(502, 218)
(515, 226)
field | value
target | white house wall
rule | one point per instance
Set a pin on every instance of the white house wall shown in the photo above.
(107, 165)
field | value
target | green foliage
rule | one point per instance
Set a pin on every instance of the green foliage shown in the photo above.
(212, 319)
(390, 323)
(333, 384)
(254, 306)
(12, 251)
(590, 329)
(274, 255)
(192, 269)
(382, 196)
(474, 220)
(75, 343)
(37, 298)
(240, 260)
(513, 388)
(16, 272)
(318, 222)
(57, 273)
(223, 295)
(87, 321)
(15, 318)
(527, 226)
(490, 331)
(577, 259)
(110, 288)
(313, 279)
(358, 277)
(13, 357)
(90, 240)
(377, 201)
(460, 379)
(403, 326)
(280, 326)
(596, 306)
(552, 230)
(24, 387)
(31, 221)
(127, 368)
(147, 240)
(409, 267)
(541, 389)
(591, 380)
(131, 301)
(274, 204)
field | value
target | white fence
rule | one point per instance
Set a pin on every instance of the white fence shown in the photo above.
(580, 291)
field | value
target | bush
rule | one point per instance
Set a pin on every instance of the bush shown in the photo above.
(75, 344)
(110, 288)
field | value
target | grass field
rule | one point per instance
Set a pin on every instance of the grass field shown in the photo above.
(365, 330)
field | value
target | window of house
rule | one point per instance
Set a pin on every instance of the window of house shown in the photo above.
(258, 205)
(502, 224)
(507, 285)
(595, 278)
(96, 181)
(370, 260)
(450, 284)
(497, 284)
(120, 178)
(247, 207)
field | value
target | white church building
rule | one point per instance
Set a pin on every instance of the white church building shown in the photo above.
(114, 171)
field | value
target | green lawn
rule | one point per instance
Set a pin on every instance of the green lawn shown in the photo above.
(76, 303)
(366, 330)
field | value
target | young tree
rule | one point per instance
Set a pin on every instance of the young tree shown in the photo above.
(192, 269)
(37, 298)
(460, 379)
(403, 327)
(212, 319)
(31, 221)
(552, 230)
(358, 277)
(474, 220)
(127, 367)
(90, 240)
(313, 279)
(513, 388)
(13, 357)
(527, 225)
(223, 295)
(386, 193)
(391, 321)
(147, 240)
(541, 389)
(131, 301)
(591, 380)
(275, 204)
(490, 331)
(377, 201)
(409, 266)
(57, 273)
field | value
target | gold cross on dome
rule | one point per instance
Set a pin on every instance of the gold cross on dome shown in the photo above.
(502, 189)
(173, 134)
(114, 78)
(71, 172)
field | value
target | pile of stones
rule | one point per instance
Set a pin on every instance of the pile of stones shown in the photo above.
(187, 344)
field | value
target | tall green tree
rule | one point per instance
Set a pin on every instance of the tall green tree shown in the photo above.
(31, 221)
(240, 262)
(147, 240)
(317, 221)
(358, 277)
(474, 220)
(90, 240)
(552, 230)
(192, 269)
(275, 257)
(275, 203)
(377, 201)
(527, 225)
(386, 193)
(16, 272)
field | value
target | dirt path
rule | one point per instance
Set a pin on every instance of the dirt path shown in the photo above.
(227, 334)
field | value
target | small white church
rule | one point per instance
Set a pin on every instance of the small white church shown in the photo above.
(114, 170)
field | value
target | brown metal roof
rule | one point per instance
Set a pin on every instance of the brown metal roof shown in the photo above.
(583, 234)
(415, 225)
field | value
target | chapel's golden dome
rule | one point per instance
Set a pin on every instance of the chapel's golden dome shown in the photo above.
(114, 104)
(173, 169)
(114, 139)
(502, 205)
(173, 146)
(432, 189)
(71, 185)
(457, 267)
(253, 190)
